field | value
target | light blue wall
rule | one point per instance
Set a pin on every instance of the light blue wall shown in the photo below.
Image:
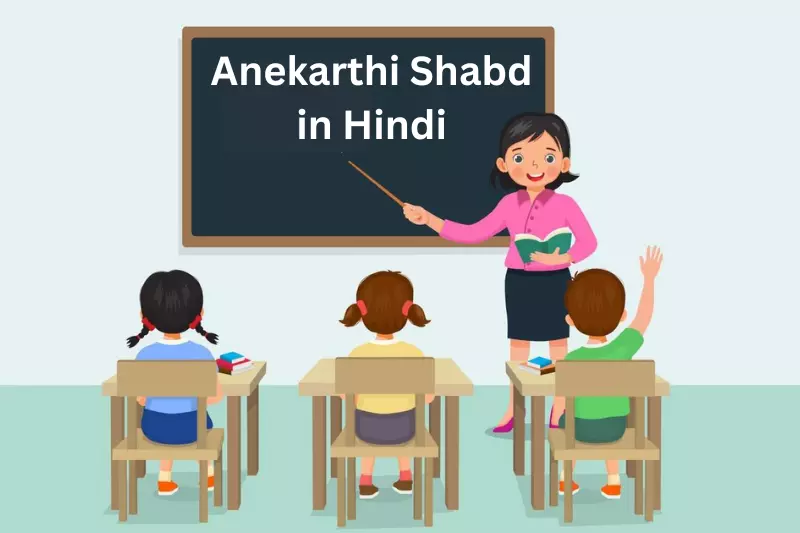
(684, 121)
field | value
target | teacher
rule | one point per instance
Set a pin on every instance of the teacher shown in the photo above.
(534, 161)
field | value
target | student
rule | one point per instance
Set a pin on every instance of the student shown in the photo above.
(172, 303)
(595, 303)
(385, 303)
(533, 160)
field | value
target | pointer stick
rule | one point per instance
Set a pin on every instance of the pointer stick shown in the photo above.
(378, 185)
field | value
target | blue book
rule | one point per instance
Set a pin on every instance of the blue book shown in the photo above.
(232, 357)
(539, 362)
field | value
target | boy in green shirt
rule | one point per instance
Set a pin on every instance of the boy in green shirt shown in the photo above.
(595, 301)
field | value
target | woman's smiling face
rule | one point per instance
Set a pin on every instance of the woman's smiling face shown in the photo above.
(534, 164)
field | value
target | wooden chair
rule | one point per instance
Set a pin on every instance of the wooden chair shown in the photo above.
(384, 376)
(167, 379)
(634, 379)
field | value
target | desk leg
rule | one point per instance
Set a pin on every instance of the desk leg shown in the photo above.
(654, 434)
(234, 452)
(318, 449)
(252, 432)
(519, 433)
(141, 466)
(435, 423)
(537, 452)
(451, 452)
(336, 428)
(630, 466)
(133, 490)
(117, 434)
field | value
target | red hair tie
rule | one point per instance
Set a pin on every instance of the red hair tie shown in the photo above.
(407, 306)
(196, 322)
(362, 307)
(149, 325)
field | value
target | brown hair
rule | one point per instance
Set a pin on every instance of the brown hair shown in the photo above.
(384, 295)
(595, 301)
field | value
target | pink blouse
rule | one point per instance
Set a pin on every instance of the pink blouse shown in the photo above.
(548, 212)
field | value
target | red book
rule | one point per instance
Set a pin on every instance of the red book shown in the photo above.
(226, 366)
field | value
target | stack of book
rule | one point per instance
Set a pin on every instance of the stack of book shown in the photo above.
(233, 363)
(539, 366)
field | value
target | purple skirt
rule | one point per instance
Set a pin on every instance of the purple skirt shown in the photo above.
(385, 429)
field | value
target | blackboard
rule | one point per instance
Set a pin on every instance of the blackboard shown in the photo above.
(249, 180)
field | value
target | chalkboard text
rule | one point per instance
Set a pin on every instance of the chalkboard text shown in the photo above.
(370, 72)
(367, 124)
(373, 125)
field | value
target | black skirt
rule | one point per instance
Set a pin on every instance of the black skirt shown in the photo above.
(535, 307)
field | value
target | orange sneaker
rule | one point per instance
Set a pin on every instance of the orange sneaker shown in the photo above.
(575, 488)
(167, 488)
(612, 492)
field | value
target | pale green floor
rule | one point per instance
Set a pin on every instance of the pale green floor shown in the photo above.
(730, 459)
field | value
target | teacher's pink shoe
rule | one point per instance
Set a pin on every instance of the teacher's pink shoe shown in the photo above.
(505, 428)
(552, 426)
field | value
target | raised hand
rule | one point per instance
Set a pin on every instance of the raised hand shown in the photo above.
(651, 262)
(417, 215)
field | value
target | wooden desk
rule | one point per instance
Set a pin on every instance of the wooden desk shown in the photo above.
(537, 388)
(451, 383)
(233, 387)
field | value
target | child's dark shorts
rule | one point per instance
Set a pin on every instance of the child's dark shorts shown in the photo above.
(600, 431)
(385, 429)
(172, 428)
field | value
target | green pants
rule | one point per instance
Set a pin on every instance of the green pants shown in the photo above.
(599, 431)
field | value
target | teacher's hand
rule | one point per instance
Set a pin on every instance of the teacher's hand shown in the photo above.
(417, 215)
(556, 258)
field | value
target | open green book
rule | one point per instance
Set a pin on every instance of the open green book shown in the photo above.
(528, 244)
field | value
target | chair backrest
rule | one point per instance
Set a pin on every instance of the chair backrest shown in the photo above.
(196, 379)
(605, 378)
(634, 379)
(385, 375)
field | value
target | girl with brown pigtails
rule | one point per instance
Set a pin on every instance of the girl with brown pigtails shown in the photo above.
(384, 304)
(172, 303)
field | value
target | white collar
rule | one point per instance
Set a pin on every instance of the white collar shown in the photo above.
(173, 342)
(598, 345)
(384, 342)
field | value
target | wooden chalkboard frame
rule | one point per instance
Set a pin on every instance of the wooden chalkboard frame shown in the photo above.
(189, 33)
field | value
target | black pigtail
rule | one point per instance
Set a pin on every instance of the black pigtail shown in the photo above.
(210, 337)
(133, 341)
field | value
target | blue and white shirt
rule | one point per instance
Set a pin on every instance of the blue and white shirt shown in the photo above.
(173, 350)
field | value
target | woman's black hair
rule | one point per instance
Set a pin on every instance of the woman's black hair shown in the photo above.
(171, 302)
(532, 125)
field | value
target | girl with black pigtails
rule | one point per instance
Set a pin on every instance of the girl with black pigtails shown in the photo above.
(172, 303)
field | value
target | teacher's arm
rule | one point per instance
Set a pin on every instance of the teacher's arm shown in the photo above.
(585, 241)
(422, 217)
(488, 227)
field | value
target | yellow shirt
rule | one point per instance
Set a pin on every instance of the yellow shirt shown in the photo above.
(386, 403)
